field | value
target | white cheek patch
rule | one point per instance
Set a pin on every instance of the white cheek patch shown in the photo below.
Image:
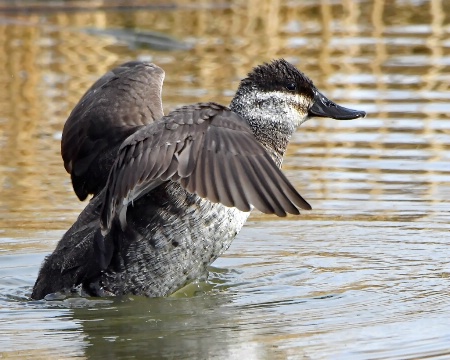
(288, 101)
(275, 96)
(304, 102)
(294, 106)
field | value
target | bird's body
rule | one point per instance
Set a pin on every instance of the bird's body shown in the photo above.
(187, 234)
(182, 186)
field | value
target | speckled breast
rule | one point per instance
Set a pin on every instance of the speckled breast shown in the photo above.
(176, 235)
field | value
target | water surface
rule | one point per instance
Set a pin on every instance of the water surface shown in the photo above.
(363, 276)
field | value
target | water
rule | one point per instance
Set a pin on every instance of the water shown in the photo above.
(363, 276)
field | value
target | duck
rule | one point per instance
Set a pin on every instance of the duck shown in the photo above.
(171, 192)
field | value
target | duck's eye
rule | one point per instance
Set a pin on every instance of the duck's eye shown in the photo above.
(291, 86)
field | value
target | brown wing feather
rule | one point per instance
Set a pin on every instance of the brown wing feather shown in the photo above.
(210, 151)
(259, 195)
(270, 177)
(120, 102)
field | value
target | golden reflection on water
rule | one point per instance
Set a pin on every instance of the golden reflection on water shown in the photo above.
(389, 58)
(353, 51)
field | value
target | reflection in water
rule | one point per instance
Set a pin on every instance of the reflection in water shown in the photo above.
(188, 327)
(359, 277)
(141, 39)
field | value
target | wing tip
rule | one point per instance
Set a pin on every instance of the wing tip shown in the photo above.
(306, 206)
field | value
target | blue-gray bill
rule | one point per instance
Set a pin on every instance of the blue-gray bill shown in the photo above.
(323, 107)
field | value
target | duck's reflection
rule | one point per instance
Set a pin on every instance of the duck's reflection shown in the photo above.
(200, 327)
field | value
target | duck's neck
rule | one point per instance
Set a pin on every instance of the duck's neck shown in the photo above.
(272, 123)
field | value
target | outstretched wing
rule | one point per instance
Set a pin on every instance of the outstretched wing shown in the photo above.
(210, 151)
(120, 102)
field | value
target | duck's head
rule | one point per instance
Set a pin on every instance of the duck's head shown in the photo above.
(279, 91)
(275, 98)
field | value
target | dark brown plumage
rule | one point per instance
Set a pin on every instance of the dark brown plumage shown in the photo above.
(120, 102)
(279, 75)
